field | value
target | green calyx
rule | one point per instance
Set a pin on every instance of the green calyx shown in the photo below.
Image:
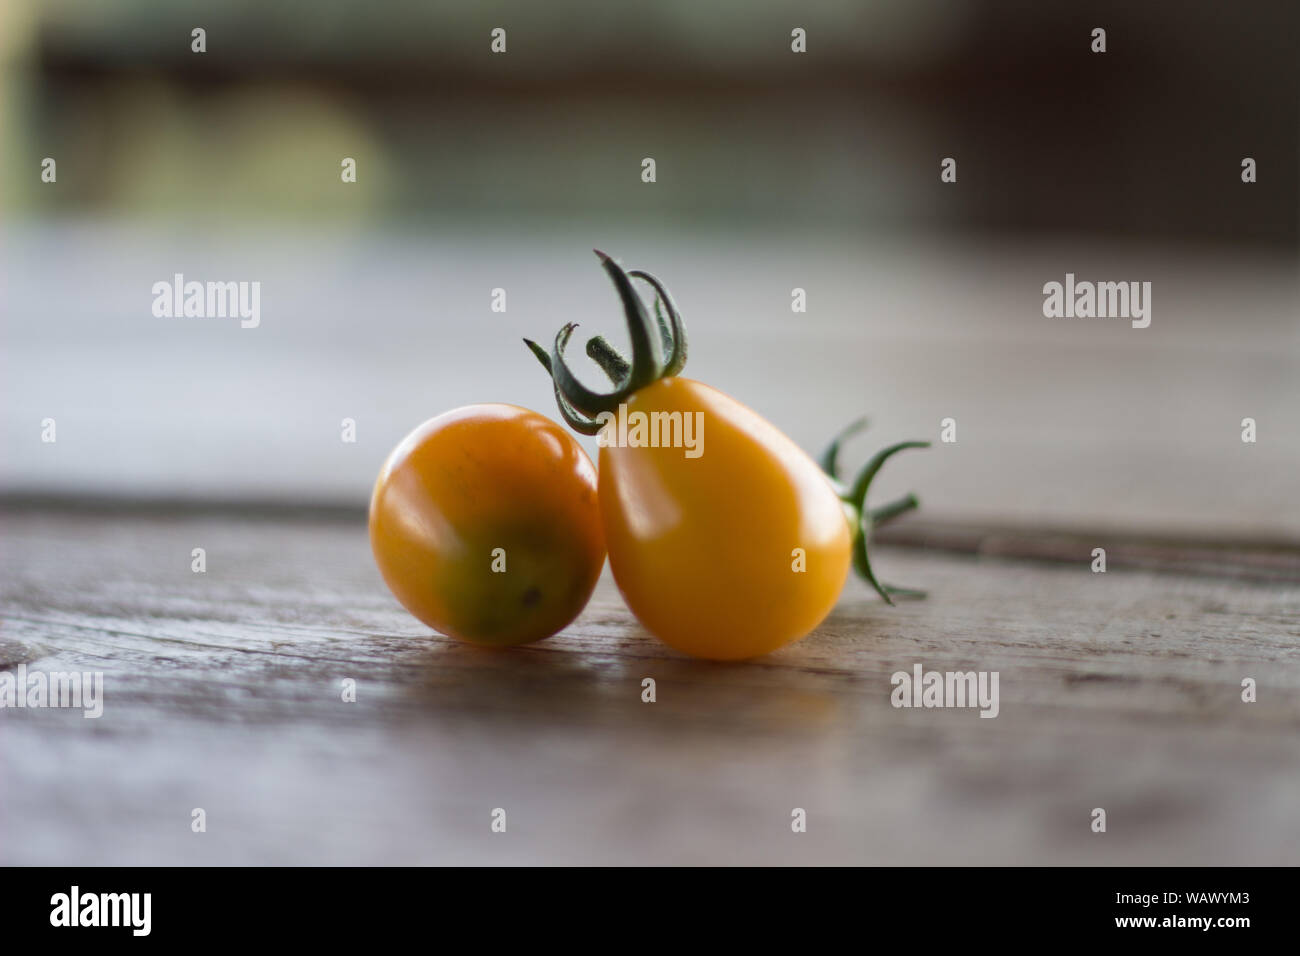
(862, 518)
(658, 351)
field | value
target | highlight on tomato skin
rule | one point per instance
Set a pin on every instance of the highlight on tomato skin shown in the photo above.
(730, 542)
(485, 525)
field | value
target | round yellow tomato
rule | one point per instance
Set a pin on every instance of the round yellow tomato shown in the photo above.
(730, 554)
(485, 525)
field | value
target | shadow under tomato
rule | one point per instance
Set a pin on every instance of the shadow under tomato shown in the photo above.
(631, 680)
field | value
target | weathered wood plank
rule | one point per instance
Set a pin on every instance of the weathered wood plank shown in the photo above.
(1060, 422)
(222, 691)
(1260, 558)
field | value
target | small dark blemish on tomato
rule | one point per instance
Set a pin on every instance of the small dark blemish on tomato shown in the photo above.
(532, 596)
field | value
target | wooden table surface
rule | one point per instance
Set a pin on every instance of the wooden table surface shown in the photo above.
(223, 692)
(1075, 422)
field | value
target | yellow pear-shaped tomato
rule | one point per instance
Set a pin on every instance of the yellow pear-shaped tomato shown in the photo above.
(485, 525)
(726, 540)
(729, 554)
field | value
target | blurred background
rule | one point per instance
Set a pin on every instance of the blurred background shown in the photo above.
(775, 170)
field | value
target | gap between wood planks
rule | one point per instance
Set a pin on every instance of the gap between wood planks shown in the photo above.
(1259, 559)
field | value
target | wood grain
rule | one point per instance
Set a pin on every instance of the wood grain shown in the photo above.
(222, 691)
